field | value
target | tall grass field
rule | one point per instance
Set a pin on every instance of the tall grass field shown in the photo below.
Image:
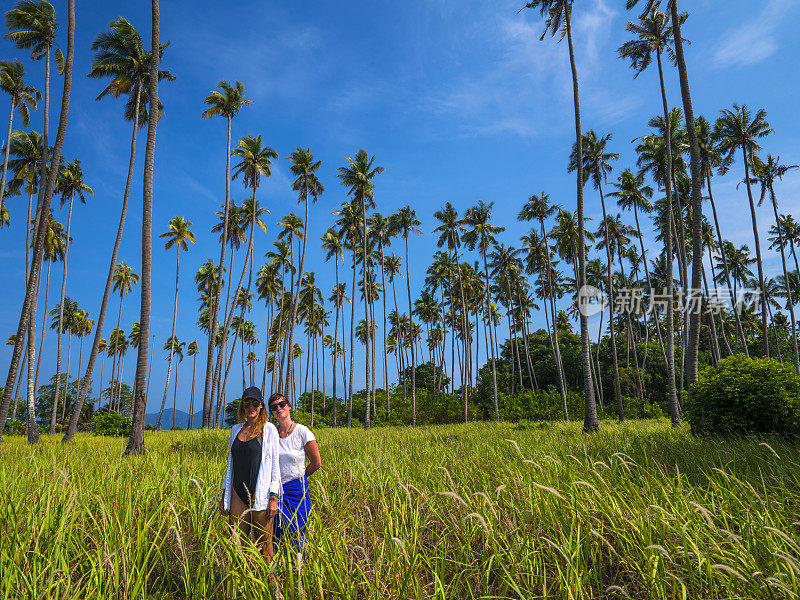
(529, 510)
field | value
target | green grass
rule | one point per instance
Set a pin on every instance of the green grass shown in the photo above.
(637, 510)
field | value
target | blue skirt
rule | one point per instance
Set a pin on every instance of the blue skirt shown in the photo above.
(290, 522)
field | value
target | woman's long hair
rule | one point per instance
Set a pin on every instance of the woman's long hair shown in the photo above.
(261, 419)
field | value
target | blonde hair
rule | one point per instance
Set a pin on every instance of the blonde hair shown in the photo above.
(261, 419)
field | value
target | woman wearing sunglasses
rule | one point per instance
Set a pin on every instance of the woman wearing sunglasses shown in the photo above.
(296, 445)
(252, 479)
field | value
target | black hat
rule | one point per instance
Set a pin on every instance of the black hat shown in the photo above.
(253, 392)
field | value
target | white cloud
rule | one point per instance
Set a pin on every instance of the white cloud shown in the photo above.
(754, 40)
(524, 86)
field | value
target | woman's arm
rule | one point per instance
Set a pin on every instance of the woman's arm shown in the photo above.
(275, 480)
(312, 452)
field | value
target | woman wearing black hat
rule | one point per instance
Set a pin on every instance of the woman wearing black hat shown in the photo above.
(253, 478)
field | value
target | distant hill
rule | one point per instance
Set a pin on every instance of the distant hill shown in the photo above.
(181, 419)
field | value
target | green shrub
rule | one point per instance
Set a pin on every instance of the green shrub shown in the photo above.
(15, 428)
(745, 395)
(111, 424)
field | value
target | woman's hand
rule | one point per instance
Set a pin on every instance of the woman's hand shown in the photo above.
(222, 510)
(272, 507)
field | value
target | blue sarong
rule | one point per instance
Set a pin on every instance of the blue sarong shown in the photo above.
(290, 523)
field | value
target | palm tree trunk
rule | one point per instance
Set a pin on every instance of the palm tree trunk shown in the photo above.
(672, 393)
(208, 393)
(19, 383)
(149, 368)
(223, 348)
(80, 364)
(352, 343)
(601, 394)
(191, 401)
(28, 312)
(697, 197)
(73, 421)
(786, 279)
(175, 396)
(5, 157)
(758, 255)
(491, 336)
(172, 340)
(295, 302)
(335, 342)
(617, 387)
(714, 338)
(44, 325)
(66, 382)
(413, 352)
(721, 323)
(136, 442)
(385, 358)
(590, 422)
(649, 285)
(229, 315)
(61, 307)
(725, 269)
(241, 347)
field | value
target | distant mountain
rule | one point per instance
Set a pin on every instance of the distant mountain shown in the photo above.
(181, 419)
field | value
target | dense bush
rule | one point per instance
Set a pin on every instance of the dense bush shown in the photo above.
(111, 424)
(15, 427)
(745, 395)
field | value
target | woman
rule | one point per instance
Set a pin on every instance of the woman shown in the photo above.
(296, 444)
(252, 479)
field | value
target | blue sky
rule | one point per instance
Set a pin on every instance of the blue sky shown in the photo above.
(459, 101)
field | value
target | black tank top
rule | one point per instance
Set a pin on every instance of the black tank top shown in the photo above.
(246, 462)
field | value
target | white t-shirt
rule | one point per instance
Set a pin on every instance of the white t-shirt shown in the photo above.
(292, 452)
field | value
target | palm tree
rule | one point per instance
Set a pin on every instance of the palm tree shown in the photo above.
(559, 21)
(226, 103)
(482, 234)
(631, 193)
(654, 36)
(70, 183)
(120, 56)
(54, 249)
(136, 440)
(381, 231)
(83, 327)
(451, 229)
(191, 350)
(175, 347)
(304, 168)
(32, 26)
(255, 162)
(28, 148)
(177, 234)
(596, 165)
(124, 280)
(18, 19)
(677, 19)
(405, 222)
(539, 208)
(766, 172)
(64, 319)
(358, 177)
(332, 244)
(739, 129)
(711, 159)
(23, 98)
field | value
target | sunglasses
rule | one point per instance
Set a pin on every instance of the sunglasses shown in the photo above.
(250, 403)
(277, 405)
